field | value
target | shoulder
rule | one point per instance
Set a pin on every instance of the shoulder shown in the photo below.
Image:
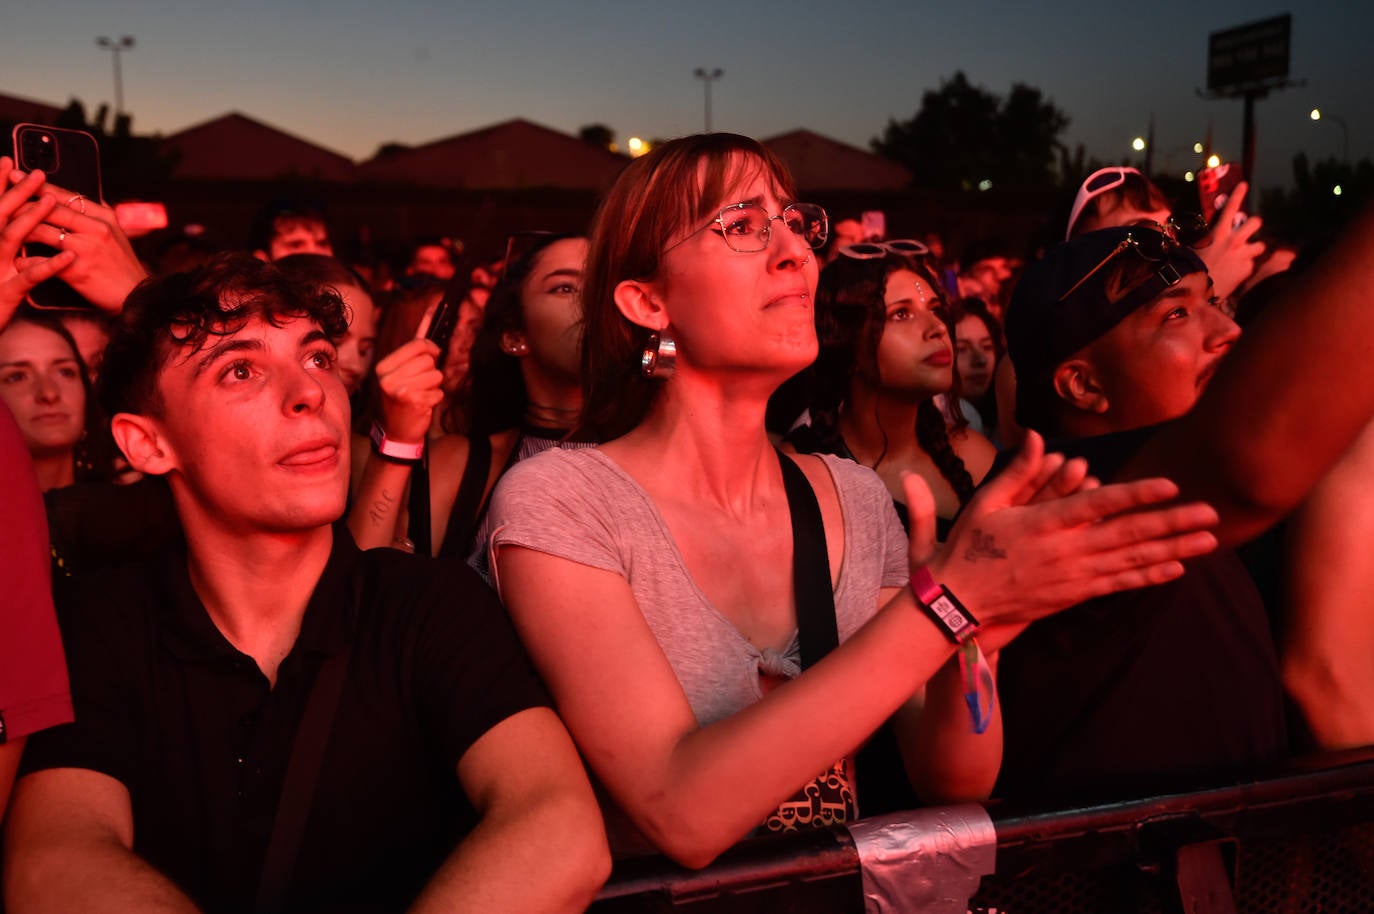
(557, 475)
(861, 495)
(853, 481)
(576, 505)
(449, 454)
(390, 572)
(438, 606)
(975, 450)
(1107, 454)
(111, 601)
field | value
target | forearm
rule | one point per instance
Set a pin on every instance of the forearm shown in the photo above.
(1329, 591)
(547, 859)
(760, 756)
(93, 876)
(378, 502)
(946, 761)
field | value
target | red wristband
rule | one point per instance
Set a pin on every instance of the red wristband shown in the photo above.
(944, 609)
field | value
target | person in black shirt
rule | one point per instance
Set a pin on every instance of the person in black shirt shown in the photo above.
(1122, 357)
(194, 676)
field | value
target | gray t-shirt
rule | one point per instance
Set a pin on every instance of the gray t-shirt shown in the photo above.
(581, 506)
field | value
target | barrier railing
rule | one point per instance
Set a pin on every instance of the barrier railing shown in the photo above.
(1300, 841)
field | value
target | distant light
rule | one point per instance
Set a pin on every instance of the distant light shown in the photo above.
(1138, 144)
(1197, 147)
(1336, 190)
(637, 146)
(985, 184)
(1213, 161)
(1316, 114)
(1189, 177)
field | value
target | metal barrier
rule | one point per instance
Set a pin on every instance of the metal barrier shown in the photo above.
(1301, 841)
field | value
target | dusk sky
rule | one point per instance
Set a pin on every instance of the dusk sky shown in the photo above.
(352, 75)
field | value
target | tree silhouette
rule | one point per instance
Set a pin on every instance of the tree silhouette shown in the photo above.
(598, 135)
(964, 134)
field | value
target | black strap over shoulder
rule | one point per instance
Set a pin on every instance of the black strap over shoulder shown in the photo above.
(816, 627)
(463, 519)
(302, 774)
(417, 508)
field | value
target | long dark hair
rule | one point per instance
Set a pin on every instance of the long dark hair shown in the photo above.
(850, 317)
(495, 387)
(94, 453)
(973, 306)
(676, 185)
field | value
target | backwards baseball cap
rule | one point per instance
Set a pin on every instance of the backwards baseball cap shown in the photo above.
(1066, 300)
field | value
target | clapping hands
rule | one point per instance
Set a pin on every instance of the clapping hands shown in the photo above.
(1044, 535)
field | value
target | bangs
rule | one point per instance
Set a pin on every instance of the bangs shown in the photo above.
(726, 179)
(723, 177)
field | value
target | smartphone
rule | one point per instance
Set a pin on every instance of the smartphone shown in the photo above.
(1215, 186)
(71, 160)
(441, 326)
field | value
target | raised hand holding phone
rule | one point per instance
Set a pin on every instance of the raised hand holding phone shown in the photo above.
(19, 215)
(105, 268)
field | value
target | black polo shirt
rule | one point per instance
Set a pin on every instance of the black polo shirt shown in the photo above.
(1168, 687)
(167, 706)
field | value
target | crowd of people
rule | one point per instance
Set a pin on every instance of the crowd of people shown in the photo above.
(328, 590)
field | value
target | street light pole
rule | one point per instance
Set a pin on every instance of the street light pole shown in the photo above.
(115, 48)
(708, 77)
(1317, 114)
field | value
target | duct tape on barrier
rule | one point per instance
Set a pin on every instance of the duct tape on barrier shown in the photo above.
(927, 860)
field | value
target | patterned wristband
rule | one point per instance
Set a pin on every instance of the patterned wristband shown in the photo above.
(944, 609)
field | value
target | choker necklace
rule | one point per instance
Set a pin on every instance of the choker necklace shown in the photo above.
(541, 415)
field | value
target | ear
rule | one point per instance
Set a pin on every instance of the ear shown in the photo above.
(141, 440)
(513, 343)
(1076, 383)
(636, 301)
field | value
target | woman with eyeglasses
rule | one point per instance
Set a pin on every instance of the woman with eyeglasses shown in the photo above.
(522, 394)
(674, 585)
(886, 355)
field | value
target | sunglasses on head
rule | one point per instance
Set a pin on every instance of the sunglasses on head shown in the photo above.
(1154, 243)
(1097, 184)
(872, 250)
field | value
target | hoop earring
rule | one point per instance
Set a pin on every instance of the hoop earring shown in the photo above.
(659, 357)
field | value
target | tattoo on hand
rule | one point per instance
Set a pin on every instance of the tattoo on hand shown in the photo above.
(380, 508)
(984, 546)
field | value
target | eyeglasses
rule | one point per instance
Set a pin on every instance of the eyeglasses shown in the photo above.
(872, 250)
(747, 227)
(1152, 245)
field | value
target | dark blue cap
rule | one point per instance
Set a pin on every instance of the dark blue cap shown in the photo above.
(1046, 323)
